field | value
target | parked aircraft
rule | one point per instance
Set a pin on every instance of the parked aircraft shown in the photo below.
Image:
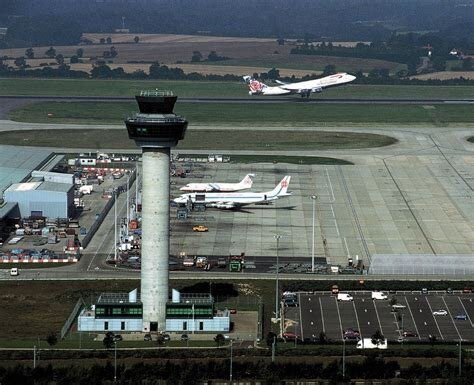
(303, 88)
(236, 200)
(223, 187)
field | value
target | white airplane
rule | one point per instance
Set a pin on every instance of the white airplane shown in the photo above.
(303, 88)
(223, 187)
(236, 200)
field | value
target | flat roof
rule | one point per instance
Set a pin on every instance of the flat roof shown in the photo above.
(116, 298)
(41, 186)
(16, 163)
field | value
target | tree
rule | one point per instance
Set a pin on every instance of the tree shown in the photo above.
(378, 338)
(113, 52)
(101, 71)
(74, 59)
(330, 69)
(108, 340)
(219, 339)
(52, 338)
(60, 59)
(106, 54)
(102, 40)
(273, 74)
(439, 63)
(212, 56)
(51, 52)
(109, 40)
(29, 53)
(20, 62)
(79, 52)
(136, 39)
(197, 56)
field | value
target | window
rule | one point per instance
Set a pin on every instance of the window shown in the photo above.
(185, 326)
(201, 325)
(122, 325)
(106, 325)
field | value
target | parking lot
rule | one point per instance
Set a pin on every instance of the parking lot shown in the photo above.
(321, 312)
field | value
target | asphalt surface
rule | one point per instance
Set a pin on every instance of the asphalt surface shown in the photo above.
(321, 312)
(239, 100)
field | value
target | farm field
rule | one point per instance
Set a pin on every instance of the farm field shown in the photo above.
(85, 87)
(244, 114)
(201, 139)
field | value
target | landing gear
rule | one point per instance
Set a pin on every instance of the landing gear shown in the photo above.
(305, 94)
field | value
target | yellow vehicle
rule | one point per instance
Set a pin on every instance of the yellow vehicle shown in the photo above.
(200, 228)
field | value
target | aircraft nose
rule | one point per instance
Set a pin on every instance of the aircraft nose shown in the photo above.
(351, 78)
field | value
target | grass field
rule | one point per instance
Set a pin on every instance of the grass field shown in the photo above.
(66, 87)
(201, 139)
(292, 114)
(287, 159)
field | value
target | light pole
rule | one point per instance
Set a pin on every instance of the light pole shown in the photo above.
(128, 202)
(115, 361)
(230, 373)
(115, 225)
(277, 237)
(460, 360)
(343, 358)
(313, 198)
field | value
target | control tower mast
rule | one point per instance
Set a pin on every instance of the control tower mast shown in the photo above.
(155, 129)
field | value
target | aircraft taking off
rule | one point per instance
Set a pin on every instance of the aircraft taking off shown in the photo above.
(303, 88)
(223, 187)
(236, 200)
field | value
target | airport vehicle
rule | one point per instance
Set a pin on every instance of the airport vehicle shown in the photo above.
(376, 295)
(244, 184)
(344, 297)
(409, 334)
(461, 317)
(14, 272)
(440, 312)
(366, 343)
(302, 88)
(200, 228)
(236, 200)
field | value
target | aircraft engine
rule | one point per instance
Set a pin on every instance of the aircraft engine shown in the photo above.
(317, 90)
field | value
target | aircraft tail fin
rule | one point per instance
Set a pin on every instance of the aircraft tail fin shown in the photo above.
(255, 87)
(281, 188)
(247, 181)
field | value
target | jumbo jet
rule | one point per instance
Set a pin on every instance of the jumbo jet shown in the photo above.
(303, 88)
(236, 200)
(223, 187)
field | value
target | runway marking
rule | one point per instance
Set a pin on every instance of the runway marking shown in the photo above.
(330, 185)
(322, 314)
(413, 318)
(451, 317)
(434, 317)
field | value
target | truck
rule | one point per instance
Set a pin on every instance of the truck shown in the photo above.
(366, 343)
(376, 295)
(344, 297)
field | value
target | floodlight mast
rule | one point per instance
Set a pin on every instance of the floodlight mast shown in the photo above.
(155, 129)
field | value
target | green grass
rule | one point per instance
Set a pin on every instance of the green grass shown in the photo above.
(287, 159)
(84, 87)
(202, 139)
(292, 114)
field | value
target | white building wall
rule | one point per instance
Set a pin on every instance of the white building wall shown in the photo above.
(216, 324)
(91, 324)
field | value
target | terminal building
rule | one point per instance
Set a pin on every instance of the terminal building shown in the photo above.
(185, 313)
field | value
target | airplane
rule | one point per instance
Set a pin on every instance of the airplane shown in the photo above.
(224, 187)
(303, 88)
(236, 200)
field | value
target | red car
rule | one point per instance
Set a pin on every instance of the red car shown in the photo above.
(290, 336)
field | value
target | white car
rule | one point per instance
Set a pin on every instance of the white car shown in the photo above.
(398, 306)
(440, 312)
(14, 272)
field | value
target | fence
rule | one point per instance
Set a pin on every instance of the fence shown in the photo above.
(70, 320)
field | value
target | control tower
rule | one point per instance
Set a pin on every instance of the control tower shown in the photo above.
(155, 129)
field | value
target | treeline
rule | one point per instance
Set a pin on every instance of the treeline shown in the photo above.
(195, 372)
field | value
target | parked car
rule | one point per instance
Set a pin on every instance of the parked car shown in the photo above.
(461, 317)
(398, 306)
(440, 312)
(289, 336)
(14, 271)
(449, 290)
(147, 337)
(407, 333)
(467, 290)
(118, 337)
(166, 337)
(379, 295)
(184, 337)
(424, 291)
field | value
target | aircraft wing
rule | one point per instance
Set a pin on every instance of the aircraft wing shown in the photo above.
(280, 82)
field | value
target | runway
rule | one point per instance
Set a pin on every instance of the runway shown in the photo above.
(239, 100)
